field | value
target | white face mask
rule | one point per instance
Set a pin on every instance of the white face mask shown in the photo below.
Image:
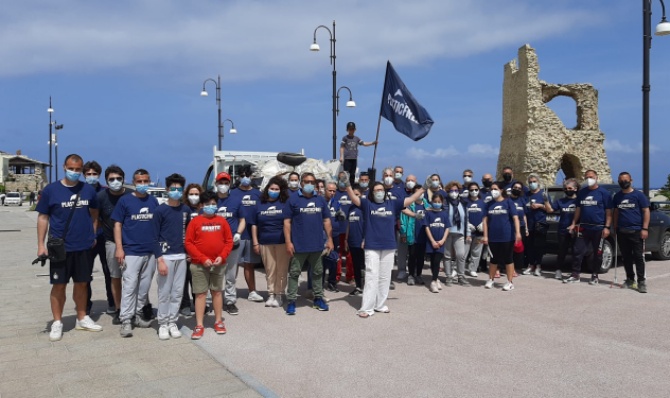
(453, 195)
(115, 185)
(388, 180)
(223, 188)
(590, 182)
(379, 196)
(293, 184)
(495, 194)
(467, 179)
(410, 184)
(194, 199)
(398, 176)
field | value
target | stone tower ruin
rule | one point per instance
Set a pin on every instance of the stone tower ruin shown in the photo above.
(535, 140)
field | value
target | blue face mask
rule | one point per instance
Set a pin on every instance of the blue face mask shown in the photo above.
(273, 194)
(92, 180)
(436, 205)
(308, 189)
(209, 209)
(245, 181)
(142, 189)
(175, 195)
(364, 185)
(532, 186)
(72, 175)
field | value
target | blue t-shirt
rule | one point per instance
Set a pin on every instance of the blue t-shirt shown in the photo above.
(106, 203)
(344, 202)
(500, 220)
(269, 218)
(248, 199)
(172, 223)
(535, 216)
(139, 231)
(333, 207)
(380, 221)
(230, 208)
(485, 194)
(593, 204)
(307, 215)
(630, 207)
(397, 191)
(566, 208)
(475, 209)
(438, 223)
(57, 201)
(419, 229)
(356, 226)
(520, 204)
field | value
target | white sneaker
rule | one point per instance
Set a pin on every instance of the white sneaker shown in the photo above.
(489, 284)
(433, 287)
(271, 300)
(56, 332)
(473, 274)
(453, 273)
(508, 286)
(559, 274)
(438, 284)
(527, 271)
(175, 333)
(253, 296)
(538, 271)
(163, 333)
(88, 324)
(278, 301)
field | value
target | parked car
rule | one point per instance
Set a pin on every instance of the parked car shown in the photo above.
(13, 198)
(160, 194)
(658, 242)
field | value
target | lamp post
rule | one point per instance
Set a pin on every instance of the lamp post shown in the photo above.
(203, 93)
(315, 47)
(350, 103)
(232, 130)
(50, 110)
(54, 139)
(662, 29)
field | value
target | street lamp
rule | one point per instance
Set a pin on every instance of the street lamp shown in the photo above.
(54, 137)
(232, 126)
(203, 93)
(50, 110)
(315, 47)
(350, 103)
(662, 29)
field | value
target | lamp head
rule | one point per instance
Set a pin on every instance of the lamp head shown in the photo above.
(351, 104)
(50, 110)
(663, 28)
(233, 131)
(314, 46)
(203, 93)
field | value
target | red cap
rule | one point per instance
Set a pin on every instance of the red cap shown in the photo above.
(518, 247)
(223, 176)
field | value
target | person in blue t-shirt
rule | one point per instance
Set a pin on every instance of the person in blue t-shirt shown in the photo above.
(344, 258)
(303, 228)
(520, 201)
(267, 235)
(380, 214)
(592, 223)
(411, 228)
(354, 242)
(475, 208)
(172, 219)
(501, 232)
(55, 207)
(437, 225)
(136, 238)
(537, 205)
(337, 222)
(631, 223)
(565, 207)
(402, 254)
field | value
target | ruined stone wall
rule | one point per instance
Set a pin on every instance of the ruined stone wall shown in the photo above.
(534, 139)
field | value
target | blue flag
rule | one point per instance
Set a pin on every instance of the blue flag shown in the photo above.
(400, 108)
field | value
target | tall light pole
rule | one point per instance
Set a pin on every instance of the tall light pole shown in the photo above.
(662, 29)
(203, 93)
(54, 141)
(50, 110)
(315, 47)
(350, 103)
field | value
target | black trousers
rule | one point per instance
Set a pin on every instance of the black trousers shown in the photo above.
(631, 246)
(186, 297)
(349, 166)
(358, 260)
(435, 261)
(417, 254)
(536, 246)
(519, 257)
(589, 241)
(565, 242)
(99, 250)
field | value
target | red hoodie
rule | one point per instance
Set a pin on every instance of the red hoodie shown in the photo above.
(208, 238)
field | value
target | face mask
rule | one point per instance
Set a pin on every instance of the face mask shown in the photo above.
(322, 191)
(436, 205)
(92, 180)
(410, 185)
(516, 192)
(364, 185)
(142, 189)
(570, 192)
(474, 192)
(532, 186)
(245, 181)
(72, 176)
(467, 179)
(341, 184)
(487, 183)
(507, 177)
(115, 185)
(495, 194)
(398, 176)
(624, 184)
(434, 184)
(590, 182)
(273, 194)
(453, 195)
(308, 188)
(175, 195)
(293, 184)
(223, 188)
(379, 196)
(209, 209)
(194, 199)
(388, 180)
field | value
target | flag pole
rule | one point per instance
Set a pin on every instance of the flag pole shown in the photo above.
(379, 122)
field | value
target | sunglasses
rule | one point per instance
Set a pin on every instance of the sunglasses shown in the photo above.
(112, 179)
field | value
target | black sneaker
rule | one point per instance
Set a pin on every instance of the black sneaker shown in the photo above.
(116, 320)
(419, 280)
(332, 288)
(357, 292)
(630, 284)
(392, 286)
(462, 281)
(594, 280)
(232, 309)
(642, 286)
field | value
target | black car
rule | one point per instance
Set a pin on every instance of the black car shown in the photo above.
(658, 242)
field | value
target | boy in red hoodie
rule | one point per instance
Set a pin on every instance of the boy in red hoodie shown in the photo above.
(208, 243)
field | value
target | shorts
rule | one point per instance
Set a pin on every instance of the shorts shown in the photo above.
(77, 265)
(502, 253)
(112, 264)
(206, 278)
(247, 254)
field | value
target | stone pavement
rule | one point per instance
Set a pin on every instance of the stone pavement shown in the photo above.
(87, 363)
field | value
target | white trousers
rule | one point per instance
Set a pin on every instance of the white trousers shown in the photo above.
(136, 281)
(378, 266)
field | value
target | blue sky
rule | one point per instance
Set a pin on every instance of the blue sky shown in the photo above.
(125, 77)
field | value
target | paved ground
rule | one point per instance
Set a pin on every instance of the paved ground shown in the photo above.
(544, 339)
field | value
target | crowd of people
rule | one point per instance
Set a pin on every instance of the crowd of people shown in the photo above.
(199, 238)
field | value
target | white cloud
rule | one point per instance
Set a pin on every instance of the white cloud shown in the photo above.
(614, 145)
(476, 150)
(251, 40)
(484, 150)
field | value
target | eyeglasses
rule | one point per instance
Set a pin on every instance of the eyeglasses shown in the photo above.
(451, 190)
(467, 175)
(112, 179)
(92, 173)
(176, 189)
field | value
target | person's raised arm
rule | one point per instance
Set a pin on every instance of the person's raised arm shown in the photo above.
(415, 196)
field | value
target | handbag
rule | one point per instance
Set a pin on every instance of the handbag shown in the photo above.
(56, 246)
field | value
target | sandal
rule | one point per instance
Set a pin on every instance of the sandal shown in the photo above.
(363, 315)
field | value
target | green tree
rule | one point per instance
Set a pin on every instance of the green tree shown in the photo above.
(665, 191)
